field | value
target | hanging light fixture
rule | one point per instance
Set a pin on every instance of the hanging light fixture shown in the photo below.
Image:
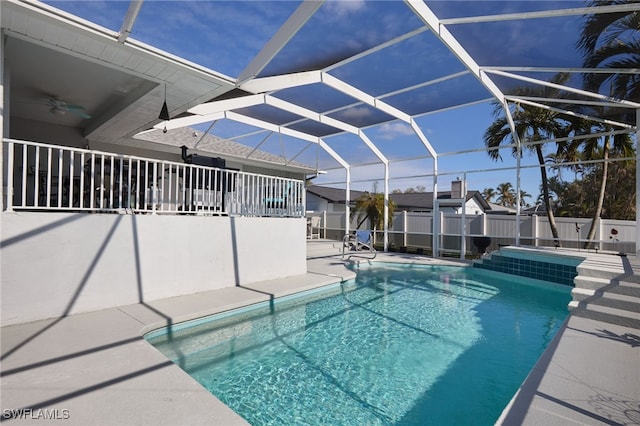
(164, 112)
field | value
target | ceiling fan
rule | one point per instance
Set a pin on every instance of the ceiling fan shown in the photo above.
(59, 107)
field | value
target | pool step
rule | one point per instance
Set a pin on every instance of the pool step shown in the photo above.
(606, 313)
(609, 285)
(608, 290)
(531, 264)
(610, 299)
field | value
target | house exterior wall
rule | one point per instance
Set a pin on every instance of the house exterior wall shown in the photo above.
(471, 207)
(55, 264)
(317, 204)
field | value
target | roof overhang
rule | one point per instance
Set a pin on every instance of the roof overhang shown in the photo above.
(118, 81)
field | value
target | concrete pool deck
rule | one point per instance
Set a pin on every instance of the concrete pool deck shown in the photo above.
(96, 369)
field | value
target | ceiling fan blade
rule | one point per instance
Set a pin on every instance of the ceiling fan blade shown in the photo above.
(78, 110)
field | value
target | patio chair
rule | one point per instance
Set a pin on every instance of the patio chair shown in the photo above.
(313, 227)
(359, 241)
(363, 240)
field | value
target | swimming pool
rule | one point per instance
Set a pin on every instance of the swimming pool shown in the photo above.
(399, 345)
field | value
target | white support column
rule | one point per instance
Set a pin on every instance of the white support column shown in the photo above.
(483, 224)
(4, 131)
(384, 161)
(516, 138)
(347, 202)
(435, 238)
(599, 232)
(405, 223)
(518, 193)
(463, 218)
(324, 224)
(435, 229)
(385, 240)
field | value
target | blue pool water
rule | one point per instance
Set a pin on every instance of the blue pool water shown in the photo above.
(400, 345)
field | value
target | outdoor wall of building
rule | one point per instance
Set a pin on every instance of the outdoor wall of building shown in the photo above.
(316, 204)
(37, 131)
(56, 264)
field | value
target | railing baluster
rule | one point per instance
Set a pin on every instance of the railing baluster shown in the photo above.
(102, 206)
(161, 193)
(36, 178)
(23, 191)
(120, 171)
(82, 173)
(128, 203)
(10, 161)
(49, 171)
(60, 161)
(92, 189)
(138, 185)
(71, 177)
(170, 200)
(154, 187)
(111, 175)
(183, 204)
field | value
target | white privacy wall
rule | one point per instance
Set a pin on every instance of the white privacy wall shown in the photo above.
(57, 264)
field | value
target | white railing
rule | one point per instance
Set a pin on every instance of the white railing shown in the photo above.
(49, 177)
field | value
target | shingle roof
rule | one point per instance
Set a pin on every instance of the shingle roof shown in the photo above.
(215, 145)
(410, 200)
(334, 195)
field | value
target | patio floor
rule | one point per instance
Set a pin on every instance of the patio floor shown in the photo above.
(96, 369)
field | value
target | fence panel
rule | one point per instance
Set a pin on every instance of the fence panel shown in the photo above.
(612, 235)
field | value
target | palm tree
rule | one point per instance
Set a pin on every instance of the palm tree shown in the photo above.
(524, 194)
(591, 149)
(612, 40)
(532, 124)
(371, 206)
(506, 195)
(488, 194)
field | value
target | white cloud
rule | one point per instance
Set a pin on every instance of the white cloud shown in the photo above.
(342, 8)
(393, 130)
(356, 113)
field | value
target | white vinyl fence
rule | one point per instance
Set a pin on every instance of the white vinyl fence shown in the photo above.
(414, 231)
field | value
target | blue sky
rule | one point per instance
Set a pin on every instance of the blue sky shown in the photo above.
(225, 35)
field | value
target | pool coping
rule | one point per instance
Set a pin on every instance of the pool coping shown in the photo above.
(96, 368)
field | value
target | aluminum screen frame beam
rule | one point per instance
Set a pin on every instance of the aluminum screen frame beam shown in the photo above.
(285, 33)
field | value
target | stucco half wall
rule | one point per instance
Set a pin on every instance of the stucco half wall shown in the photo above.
(56, 264)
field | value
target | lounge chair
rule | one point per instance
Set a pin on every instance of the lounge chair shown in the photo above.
(360, 241)
(363, 240)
